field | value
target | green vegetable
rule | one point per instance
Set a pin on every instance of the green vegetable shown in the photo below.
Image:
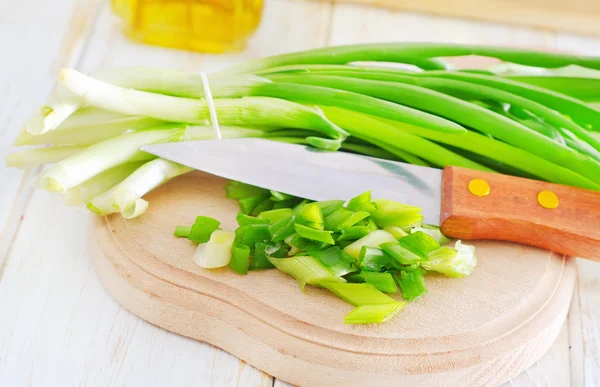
(260, 260)
(457, 262)
(250, 234)
(238, 190)
(243, 219)
(432, 231)
(273, 216)
(378, 313)
(374, 259)
(202, 229)
(310, 215)
(374, 239)
(382, 281)
(412, 284)
(306, 270)
(338, 262)
(182, 231)
(358, 294)
(248, 204)
(217, 251)
(240, 258)
(314, 234)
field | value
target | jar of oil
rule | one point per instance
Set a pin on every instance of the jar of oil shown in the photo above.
(199, 25)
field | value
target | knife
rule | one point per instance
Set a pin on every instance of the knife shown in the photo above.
(467, 204)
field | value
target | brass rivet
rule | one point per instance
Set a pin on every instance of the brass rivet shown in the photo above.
(479, 187)
(548, 199)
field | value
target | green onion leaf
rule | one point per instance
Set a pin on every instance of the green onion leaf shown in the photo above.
(306, 270)
(259, 260)
(277, 196)
(361, 202)
(240, 258)
(248, 204)
(419, 243)
(250, 234)
(391, 213)
(353, 233)
(374, 259)
(313, 234)
(412, 284)
(310, 215)
(374, 239)
(457, 262)
(338, 262)
(238, 190)
(397, 232)
(202, 229)
(328, 207)
(369, 314)
(182, 231)
(265, 205)
(282, 229)
(358, 294)
(243, 219)
(382, 281)
(432, 231)
(273, 216)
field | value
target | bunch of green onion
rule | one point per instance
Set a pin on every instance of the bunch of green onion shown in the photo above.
(359, 251)
(535, 115)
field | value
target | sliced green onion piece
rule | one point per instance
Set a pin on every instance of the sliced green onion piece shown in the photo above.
(306, 270)
(374, 239)
(338, 262)
(265, 205)
(243, 219)
(253, 233)
(401, 253)
(288, 203)
(391, 213)
(412, 284)
(328, 207)
(282, 229)
(353, 233)
(248, 204)
(361, 202)
(419, 243)
(369, 314)
(397, 232)
(202, 229)
(273, 216)
(457, 262)
(334, 220)
(240, 258)
(432, 231)
(182, 231)
(277, 196)
(374, 259)
(238, 190)
(382, 281)
(353, 219)
(313, 234)
(310, 215)
(358, 294)
(259, 260)
(307, 244)
(217, 251)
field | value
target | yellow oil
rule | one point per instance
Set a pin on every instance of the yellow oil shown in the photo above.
(198, 25)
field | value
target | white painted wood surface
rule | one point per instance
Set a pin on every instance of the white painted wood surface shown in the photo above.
(58, 327)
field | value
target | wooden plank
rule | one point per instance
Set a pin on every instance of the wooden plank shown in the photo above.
(59, 326)
(44, 36)
(581, 18)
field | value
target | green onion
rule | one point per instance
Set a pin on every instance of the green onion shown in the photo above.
(353, 233)
(397, 232)
(328, 207)
(382, 281)
(338, 262)
(361, 202)
(419, 243)
(306, 270)
(39, 156)
(390, 213)
(280, 196)
(432, 231)
(310, 215)
(217, 251)
(265, 205)
(243, 219)
(248, 204)
(259, 260)
(374, 239)
(374, 259)
(202, 229)
(282, 229)
(183, 231)
(369, 314)
(238, 190)
(240, 258)
(358, 294)
(401, 253)
(314, 234)
(457, 262)
(253, 233)
(412, 284)
(273, 216)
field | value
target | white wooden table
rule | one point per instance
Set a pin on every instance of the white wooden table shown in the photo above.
(58, 326)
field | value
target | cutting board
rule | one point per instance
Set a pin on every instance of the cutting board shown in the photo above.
(578, 16)
(482, 330)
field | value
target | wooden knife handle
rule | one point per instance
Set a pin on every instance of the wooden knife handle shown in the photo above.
(511, 212)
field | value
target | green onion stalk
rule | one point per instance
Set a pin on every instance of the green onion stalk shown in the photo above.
(535, 115)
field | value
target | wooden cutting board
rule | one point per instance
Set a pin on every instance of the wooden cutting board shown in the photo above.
(482, 330)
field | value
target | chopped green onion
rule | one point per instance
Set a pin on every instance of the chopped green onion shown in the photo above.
(282, 229)
(240, 258)
(307, 244)
(353, 219)
(253, 233)
(432, 231)
(391, 213)
(374, 259)
(39, 156)
(277, 196)
(217, 251)
(378, 313)
(374, 239)
(288, 203)
(382, 281)
(238, 190)
(328, 207)
(358, 294)
(248, 204)
(259, 260)
(313, 234)
(412, 284)
(182, 231)
(457, 262)
(265, 205)
(361, 202)
(306, 270)
(397, 232)
(353, 233)
(273, 216)
(243, 219)
(335, 219)
(310, 215)
(419, 243)
(202, 229)
(338, 262)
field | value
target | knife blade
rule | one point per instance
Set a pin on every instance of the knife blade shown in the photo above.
(512, 209)
(308, 172)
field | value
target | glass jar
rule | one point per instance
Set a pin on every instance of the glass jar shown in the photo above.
(199, 25)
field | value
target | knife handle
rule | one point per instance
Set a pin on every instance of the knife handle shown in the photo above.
(512, 212)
